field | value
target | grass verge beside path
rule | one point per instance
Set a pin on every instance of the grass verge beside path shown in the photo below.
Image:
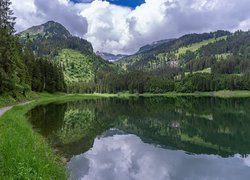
(6, 100)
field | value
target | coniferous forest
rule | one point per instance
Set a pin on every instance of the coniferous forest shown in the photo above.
(20, 70)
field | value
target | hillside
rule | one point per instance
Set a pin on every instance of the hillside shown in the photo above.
(75, 55)
(172, 52)
(196, 62)
(79, 67)
(47, 30)
(50, 38)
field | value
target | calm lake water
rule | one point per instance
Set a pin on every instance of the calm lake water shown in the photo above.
(150, 138)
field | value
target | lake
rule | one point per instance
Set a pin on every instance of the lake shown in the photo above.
(155, 138)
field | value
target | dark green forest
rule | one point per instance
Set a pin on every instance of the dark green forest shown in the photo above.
(20, 70)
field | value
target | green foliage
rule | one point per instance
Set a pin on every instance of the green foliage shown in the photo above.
(13, 72)
(20, 70)
(82, 71)
(157, 85)
(77, 67)
(210, 82)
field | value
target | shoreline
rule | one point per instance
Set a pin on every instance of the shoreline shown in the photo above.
(6, 101)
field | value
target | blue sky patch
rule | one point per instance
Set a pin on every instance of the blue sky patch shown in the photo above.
(128, 3)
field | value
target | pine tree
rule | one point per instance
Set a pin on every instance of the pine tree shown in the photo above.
(12, 68)
(7, 21)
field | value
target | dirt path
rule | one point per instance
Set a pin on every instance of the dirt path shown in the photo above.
(5, 109)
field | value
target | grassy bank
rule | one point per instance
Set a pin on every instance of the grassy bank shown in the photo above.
(8, 101)
(24, 154)
(219, 94)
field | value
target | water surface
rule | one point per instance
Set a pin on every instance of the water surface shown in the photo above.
(150, 138)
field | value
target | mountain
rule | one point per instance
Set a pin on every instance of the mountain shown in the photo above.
(52, 40)
(47, 30)
(110, 57)
(173, 53)
(153, 45)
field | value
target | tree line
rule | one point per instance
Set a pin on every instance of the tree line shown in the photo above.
(148, 82)
(20, 70)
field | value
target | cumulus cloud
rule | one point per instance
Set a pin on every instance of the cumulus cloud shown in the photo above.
(118, 29)
(35, 12)
(156, 20)
(123, 157)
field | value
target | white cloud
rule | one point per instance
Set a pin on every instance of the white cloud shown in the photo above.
(118, 29)
(26, 13)
(35, 12)
(244, 25)
(247, 160)
(156, 20)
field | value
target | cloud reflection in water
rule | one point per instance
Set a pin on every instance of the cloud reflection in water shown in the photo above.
(126, 157)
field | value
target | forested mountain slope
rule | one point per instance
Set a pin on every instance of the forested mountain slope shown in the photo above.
(75, 55)
(51, 37)
(196, 62)
(174, 52)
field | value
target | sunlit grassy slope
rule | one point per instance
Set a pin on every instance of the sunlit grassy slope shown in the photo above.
(77, 67)
(207, 70)
(194, 47)
(80, 67)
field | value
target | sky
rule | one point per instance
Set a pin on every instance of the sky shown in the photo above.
(123, 26)
(127, 3)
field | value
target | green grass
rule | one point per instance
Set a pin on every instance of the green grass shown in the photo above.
(194, 47)
(6, 100)
(207, 70)
(24, 154)
(219, 94)
(232, 94)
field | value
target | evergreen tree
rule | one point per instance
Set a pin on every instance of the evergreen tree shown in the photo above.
(12, 69)
(7, 21)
